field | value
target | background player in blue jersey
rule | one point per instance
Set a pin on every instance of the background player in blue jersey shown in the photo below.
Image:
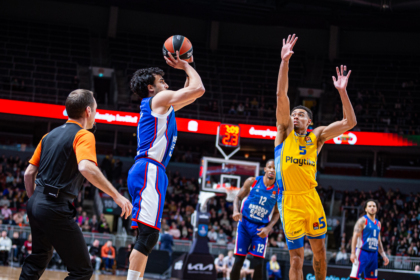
(255, 207)
(156, 138)
(366, 243)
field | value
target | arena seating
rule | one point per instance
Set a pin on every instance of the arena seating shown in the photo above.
(384, 88)
(43, 56)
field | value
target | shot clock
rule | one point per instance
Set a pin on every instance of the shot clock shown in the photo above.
(229, 135)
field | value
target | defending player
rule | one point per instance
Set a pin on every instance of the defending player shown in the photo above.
(156, 137)
(256, 217)
(366, 243)
(296, 152)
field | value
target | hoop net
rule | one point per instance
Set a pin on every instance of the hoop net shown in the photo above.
(231, 192)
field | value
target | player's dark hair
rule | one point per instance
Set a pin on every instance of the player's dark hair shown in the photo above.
(142, 78)
(272, 159)
(77, 102)
(371, 200)
(306, 109)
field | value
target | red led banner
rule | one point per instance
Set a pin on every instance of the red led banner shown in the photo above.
(198, 126)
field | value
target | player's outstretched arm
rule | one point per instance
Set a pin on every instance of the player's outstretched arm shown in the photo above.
(187, 82)
(284, 122)
(358, 229)
(94, 175)
(243, 192)
(265, 231)
(335, 129)
(194, 90)
(381, 250)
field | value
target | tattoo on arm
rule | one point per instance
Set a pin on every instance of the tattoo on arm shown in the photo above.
(358, 228)
(243, 192)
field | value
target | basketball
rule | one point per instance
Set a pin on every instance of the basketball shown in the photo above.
(178, 43)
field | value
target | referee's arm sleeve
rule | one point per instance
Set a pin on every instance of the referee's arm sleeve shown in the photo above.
(84, 146)
(36, 157)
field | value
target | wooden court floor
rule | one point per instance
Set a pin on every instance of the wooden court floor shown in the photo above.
(12, 273)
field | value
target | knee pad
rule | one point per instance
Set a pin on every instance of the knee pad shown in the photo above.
(258, 261)
(236, 269)
(239, 259)
(258, 268)
(147, 238)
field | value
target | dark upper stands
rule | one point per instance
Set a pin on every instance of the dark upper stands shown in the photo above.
(44, 56)
(383, 88)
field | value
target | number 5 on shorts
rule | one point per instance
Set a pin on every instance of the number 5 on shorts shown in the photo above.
(321, 223)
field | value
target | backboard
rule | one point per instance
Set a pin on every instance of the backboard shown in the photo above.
(216, 174)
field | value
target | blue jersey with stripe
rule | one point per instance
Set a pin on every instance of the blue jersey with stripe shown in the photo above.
(156, 134)
(369, 241)
(258, 206)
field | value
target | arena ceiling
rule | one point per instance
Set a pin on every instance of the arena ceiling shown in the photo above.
(384, 15)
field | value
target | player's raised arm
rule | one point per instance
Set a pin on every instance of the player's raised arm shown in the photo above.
(187, 82)
(194, 90)
(243, 192)
(358, 229)
(381, 250)
(337, 128)
(284, 122)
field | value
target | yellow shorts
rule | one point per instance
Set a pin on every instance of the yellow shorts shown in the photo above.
(302, 214)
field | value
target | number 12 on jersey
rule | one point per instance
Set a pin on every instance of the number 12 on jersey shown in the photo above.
(262, 200)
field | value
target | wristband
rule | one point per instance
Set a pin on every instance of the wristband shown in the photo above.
(383, 255)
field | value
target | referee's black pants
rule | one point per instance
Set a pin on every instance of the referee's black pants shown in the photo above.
(52, 225)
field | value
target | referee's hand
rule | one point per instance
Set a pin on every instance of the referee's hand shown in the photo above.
(125, 205)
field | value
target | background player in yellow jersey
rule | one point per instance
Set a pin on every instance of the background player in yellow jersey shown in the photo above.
(296, 152)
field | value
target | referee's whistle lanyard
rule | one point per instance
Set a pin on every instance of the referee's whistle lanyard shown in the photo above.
(93, 129)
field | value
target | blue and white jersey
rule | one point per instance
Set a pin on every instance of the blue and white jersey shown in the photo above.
(258, 206)
(370, 233)
(156, 134)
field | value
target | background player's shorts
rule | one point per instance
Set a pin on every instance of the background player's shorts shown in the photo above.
(147, 183)
(247, 240)
(302, 214)
(366, 262)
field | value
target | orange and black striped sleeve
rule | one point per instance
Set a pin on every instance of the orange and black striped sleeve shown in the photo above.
(36, 157)
(84, 146)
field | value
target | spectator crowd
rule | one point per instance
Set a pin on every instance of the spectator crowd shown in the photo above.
(398, 213)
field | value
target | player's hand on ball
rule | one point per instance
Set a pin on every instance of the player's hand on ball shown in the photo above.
(263, 232)
(342, 79)
(237, 216)
(125, 205)
(352, 257)
(286, 51)
(386, 261)
(176, 63)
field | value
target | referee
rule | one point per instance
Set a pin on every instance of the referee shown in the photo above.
(61, 161)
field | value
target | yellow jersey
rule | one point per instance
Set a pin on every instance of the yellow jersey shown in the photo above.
(295, 163)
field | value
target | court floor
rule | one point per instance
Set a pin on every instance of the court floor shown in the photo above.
(12, 273)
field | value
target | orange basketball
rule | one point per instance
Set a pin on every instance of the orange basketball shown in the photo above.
(178, 43)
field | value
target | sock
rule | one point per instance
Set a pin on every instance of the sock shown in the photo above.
(133, 275)
(141, 278)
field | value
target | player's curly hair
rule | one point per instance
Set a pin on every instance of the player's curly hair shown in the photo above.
(370, 200)
(306, 109)
(142, 78)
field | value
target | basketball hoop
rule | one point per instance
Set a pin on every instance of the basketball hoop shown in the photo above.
(231, 193)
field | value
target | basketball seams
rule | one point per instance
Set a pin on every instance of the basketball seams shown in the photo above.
(173, 45)
(184, 47)
(180, 48)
